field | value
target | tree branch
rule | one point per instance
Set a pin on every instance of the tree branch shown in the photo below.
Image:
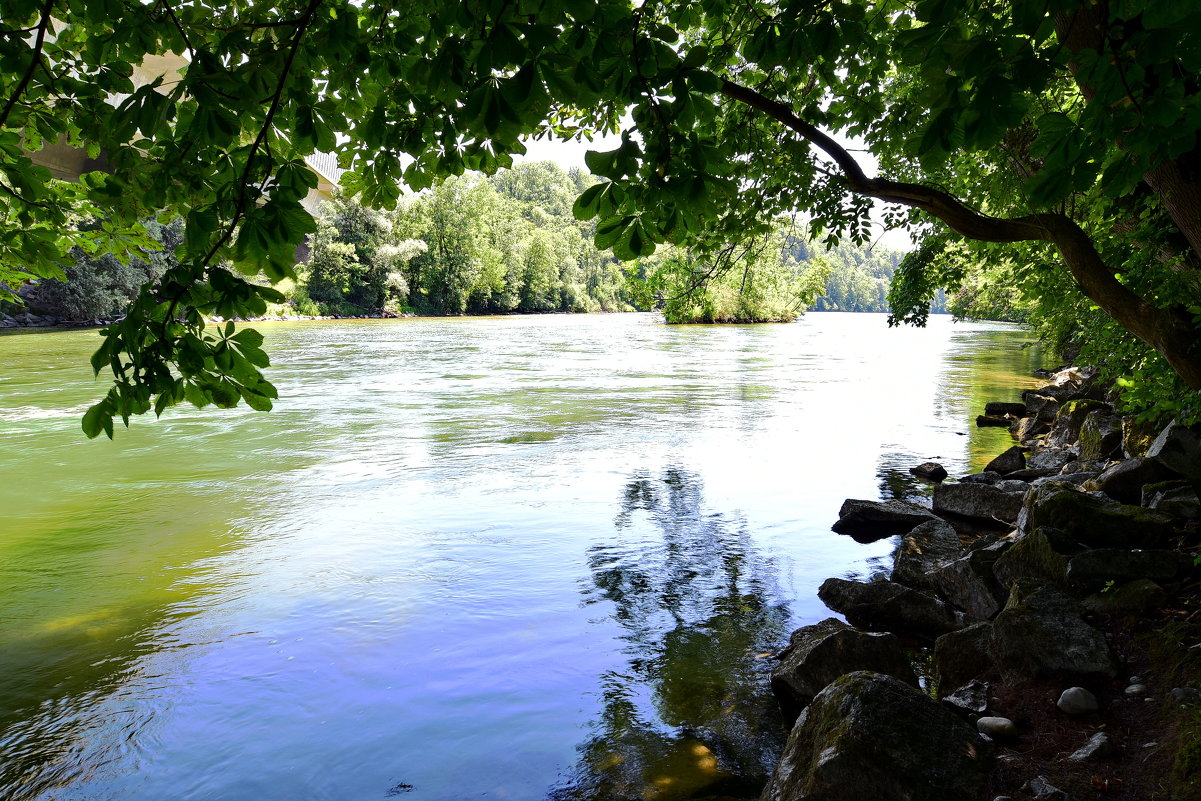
(38, 43)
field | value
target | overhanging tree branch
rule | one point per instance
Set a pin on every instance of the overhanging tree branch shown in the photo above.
(23, 84)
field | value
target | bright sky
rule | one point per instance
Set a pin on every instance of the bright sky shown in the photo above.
(571, 154)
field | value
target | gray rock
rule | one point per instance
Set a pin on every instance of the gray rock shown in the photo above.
(969, 582)
(925, 549)
(1001, 408)
(818, 654)
(971, 698)
(888, 606)
(986, 421)
(1065, 431)
(961, 656)
(1175, 498)
(1136, 689)
(1185, 695)
(1092, 521)
(1179, 448)
(1041, 407)
(1027, 429)
(987, 477)
(979, 501)
(1099, 747)
(930, 471)
(1038, 555)
(1101, 435)
(1096, 567)
(1040, 635)
(1049, 459)
(867, 521)
(1133, 598)
(1029, 474)
(1077, 701)
(996, 727)
(1042, 790)
(1074, 479)
(1125, 480)
(872, 736)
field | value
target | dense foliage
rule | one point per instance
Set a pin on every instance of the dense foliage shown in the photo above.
(1061, 124)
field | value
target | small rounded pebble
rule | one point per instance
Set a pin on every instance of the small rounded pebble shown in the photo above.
(996, 727)
(1136, 689)
(1077, 701)
(1135, 680)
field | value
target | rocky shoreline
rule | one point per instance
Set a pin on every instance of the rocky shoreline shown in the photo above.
(1050, 604)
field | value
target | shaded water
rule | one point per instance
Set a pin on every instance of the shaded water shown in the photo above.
(510, 558)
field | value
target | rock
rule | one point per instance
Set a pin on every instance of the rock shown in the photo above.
(1028, 428)
(888, 606)
(1049, 459)
(1179, 448)
(980, 501)
(1040, 635)
(1000, 409)
(1136, 689)
(867, 521)
(1038, 555)
(987, 477)
(1042, 790)
(1043, 408)
(930, 471)
(924, 549)
(971, 698)
(1135, 598)
(1101, 435)
(1125, 480)
(818, 654)
(1092, 521)
(1098, 747)
(1175, 498)
(969, 582)
(1029, 474)
(1137, 437)
(1185, 695)
(1065, 431)
(1075, 479)
(868, 736)
(1009, 461)
(961, 656)
(1096, 567)
(985, 421)
(996, 727)
(1077, 701)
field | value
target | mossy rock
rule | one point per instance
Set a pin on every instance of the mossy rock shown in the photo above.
(1095, 522)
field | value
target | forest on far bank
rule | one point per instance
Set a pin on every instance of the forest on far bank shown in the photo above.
(510, 243)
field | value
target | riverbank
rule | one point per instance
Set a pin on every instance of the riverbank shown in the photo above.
(1055, 599)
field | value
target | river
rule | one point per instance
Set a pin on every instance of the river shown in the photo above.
(543, 557)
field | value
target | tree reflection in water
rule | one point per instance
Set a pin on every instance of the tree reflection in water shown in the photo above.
(690, 715)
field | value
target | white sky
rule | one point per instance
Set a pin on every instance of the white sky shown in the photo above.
(571, 154)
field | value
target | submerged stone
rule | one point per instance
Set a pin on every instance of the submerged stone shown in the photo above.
(867, 521)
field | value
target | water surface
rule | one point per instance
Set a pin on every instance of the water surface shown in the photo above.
(511, 558)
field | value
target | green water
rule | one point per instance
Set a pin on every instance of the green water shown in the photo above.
(510, 558)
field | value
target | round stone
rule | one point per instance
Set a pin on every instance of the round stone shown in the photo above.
(996, 727)
(1077, 701)
(1136, 689)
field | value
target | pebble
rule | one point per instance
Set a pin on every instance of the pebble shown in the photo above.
(1099, 746)
(996, 727)
(1136, 689)
(1135, 680)
(1077, 701)
(1042, 790)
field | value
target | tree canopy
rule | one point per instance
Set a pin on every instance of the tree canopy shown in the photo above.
(1068, 125)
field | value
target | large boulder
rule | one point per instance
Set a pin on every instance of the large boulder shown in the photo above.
(870, 736)
(1092, 521)
(1065, 431)
(1101, 435)
(1040, 407)
(1095, 568)
(1052, 459)
(1133, 598)
(1002, 408)
(818, 654)
(1027, 429)
(1137, 437)
(888, 606)
(1175, 498)
(979, 501)
(1009, 461)
(1125, 480)
(1040, 635)
(969, 584)
(1040, 554)
(961, 656)
(868, 521)
(924, 549)
(1179, 448)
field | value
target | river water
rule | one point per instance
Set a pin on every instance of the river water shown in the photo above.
(508, 558)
